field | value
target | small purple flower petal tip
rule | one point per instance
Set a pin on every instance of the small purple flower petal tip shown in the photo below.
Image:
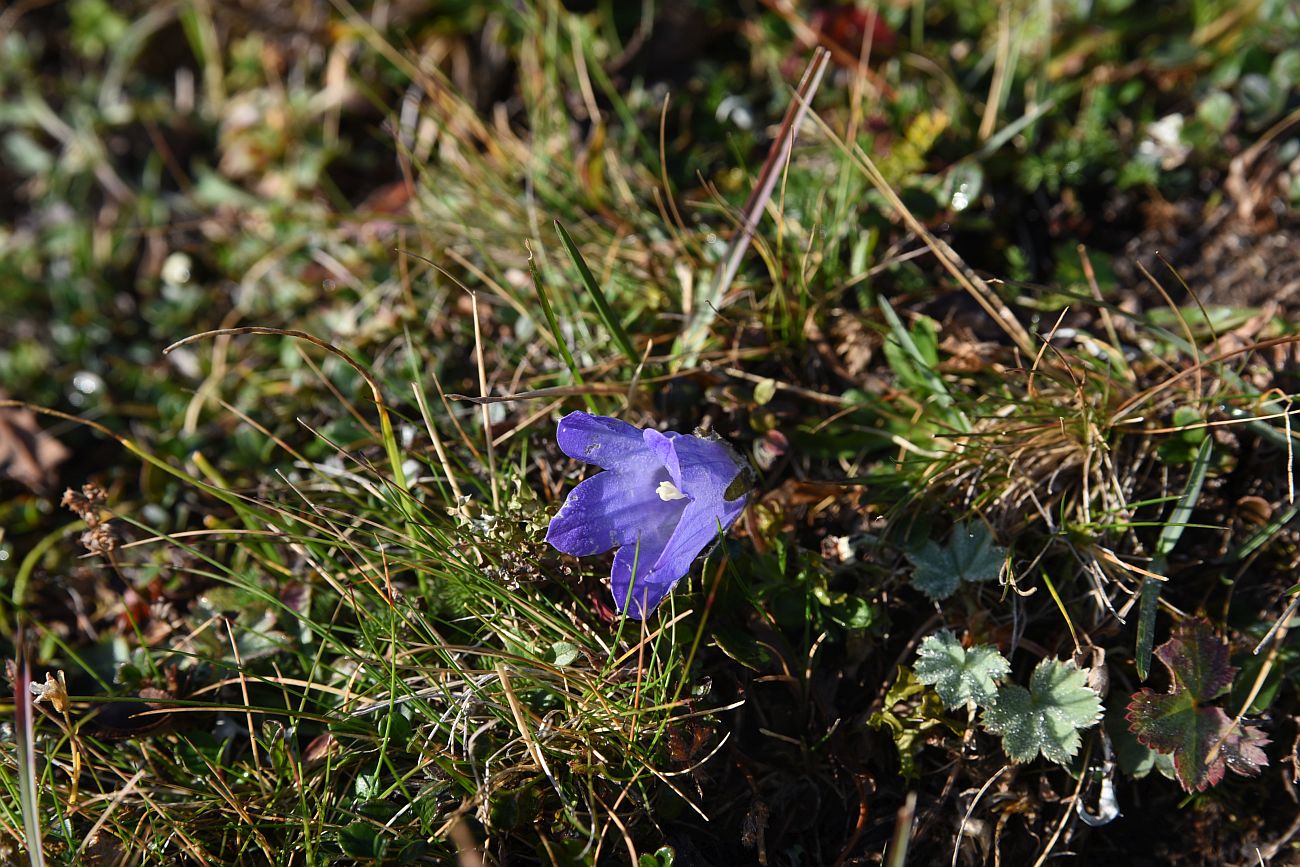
(661, 500)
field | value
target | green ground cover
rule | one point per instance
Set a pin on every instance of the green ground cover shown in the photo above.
(999, 300)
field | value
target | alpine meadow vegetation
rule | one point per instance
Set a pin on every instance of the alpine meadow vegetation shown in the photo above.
(669, 433)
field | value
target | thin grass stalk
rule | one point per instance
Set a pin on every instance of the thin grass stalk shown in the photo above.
(25, 743)
(485, 415)
(561, 344)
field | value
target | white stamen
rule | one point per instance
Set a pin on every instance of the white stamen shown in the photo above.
(668, 492)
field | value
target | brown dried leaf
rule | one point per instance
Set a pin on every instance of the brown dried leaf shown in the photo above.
(28, 454)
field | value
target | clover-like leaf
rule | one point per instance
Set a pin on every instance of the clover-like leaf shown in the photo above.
(970, 555)
(1047, 717)
(1200, 737)
(957, 674)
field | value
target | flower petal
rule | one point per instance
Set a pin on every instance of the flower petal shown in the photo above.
(634, 570)
(662, 500)
(596, 439)
(661, 445)
(708, 467)
(671, 559)
(704, 470)
(608, 508)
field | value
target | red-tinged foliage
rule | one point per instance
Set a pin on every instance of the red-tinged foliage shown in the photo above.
(848, 26)
(1200, 736)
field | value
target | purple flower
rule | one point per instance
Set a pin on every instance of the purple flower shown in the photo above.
(662, 499)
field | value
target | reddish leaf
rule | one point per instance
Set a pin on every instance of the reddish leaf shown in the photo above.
(1200, 736)
(847, 25)
(1197, 661)
(1243, 751)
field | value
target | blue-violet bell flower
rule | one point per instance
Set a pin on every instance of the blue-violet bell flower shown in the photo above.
(661, 500)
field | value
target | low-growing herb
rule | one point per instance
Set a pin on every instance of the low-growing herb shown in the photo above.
(1200, 736)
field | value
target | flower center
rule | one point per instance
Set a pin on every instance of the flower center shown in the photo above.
(668, 492)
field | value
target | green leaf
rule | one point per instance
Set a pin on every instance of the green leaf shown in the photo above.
(914, 357)
(909, 712)
(26, 156)
(1286, 69)
(957, 674)
(1146, 625)
(1182, 513)
(743, 647)
(1047, 717)
(563, 653)
(664, 856)
(96, 27)
(362, 840)
(544, 299)
(1217, 111)
(1201, 737)
(1169, 536)
(598, 297)
(1260, 98)
(367, 787)
(851, 612)
(395, 728)
(970, 555)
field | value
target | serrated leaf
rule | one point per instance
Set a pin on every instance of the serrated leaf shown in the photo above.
(1243, 750)
(1047, 717)
(1134, 758)
(970, 555)
(957, 674)
(1199, 736)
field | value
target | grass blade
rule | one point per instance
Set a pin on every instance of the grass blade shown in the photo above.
(706, 309)
(1266, 533)
(549, 312)
(25, 744)
(904, 826)
(1169, 536)
(1177, 522)
(942, 397)
(598, 297)
(1146, 625)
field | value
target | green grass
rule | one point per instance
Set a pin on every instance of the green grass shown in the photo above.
(306, 299)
